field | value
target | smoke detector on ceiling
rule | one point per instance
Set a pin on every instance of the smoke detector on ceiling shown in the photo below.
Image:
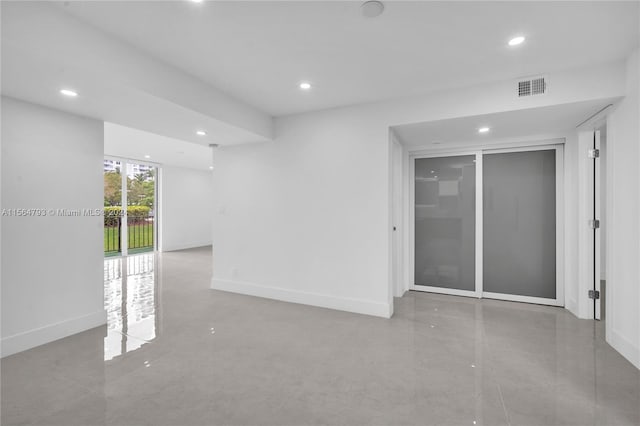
(532, 86)
(372, 8)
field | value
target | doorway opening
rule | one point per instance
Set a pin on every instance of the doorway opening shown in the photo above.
(489, 224)
(508, 230)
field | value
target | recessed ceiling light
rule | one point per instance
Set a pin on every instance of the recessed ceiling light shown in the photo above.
(483, 129)
(516, 41)
(69, 92)
(197, 1)
(371, 9)
(210, 167)
(432, 171)
(201, 133)
(305, 86)
(147, 156)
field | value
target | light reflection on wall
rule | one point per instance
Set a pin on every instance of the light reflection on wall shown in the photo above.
(130, 299)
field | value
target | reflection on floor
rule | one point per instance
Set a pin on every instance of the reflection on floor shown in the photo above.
(130, 301)
(207, 357)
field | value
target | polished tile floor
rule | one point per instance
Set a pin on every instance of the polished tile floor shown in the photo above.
(176, 353)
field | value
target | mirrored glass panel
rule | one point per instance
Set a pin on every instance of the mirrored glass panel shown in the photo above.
(445, 222)
(519, 214)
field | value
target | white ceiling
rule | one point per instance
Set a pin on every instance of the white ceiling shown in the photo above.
(125, 142)
(545, 122)
(44, 49)
(173, 67)
(259, 51)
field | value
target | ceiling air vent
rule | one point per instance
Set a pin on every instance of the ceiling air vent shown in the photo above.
(532, 86)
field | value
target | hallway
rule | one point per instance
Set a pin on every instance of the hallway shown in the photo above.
(182, 354)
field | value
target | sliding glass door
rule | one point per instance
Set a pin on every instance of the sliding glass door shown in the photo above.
(445, 223)
(132, 229)
(486, 224)
(141, 202)
(112, 207)
(519, 246)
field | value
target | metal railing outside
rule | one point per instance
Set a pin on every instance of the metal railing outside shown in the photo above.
(140, 234)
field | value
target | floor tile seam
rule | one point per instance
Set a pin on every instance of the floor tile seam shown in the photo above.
(504, 405)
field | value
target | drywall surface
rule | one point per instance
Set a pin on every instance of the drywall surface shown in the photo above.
(571, 230)
(623, 234)
(52, 256)
(306, 214)
(185, 208)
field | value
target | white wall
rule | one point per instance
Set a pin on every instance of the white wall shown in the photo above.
(185, 208)
(572, 300)
(397, 215)
(623, 208)
(306, 218)
(52, 267)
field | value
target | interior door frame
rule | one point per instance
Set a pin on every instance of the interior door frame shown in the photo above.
(560, 225)
(597, 232)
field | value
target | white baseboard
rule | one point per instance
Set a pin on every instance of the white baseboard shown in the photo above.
(625, 347)
(176, 247)
(39, 336)
(572, 306)
(357, 306)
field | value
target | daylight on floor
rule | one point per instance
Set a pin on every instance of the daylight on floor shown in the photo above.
(333, 212)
